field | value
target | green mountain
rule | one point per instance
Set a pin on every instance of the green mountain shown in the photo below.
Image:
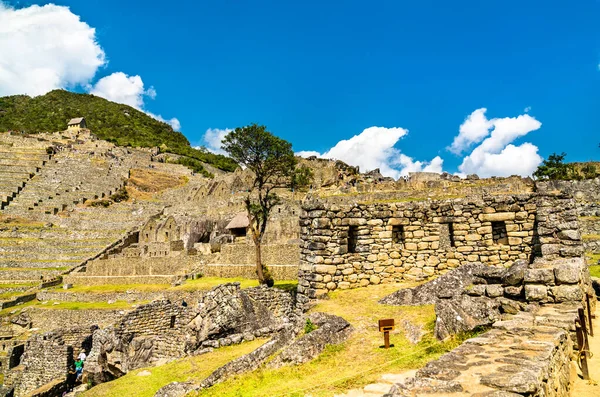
(114, 122)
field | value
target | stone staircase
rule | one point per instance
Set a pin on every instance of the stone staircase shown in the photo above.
(380, 388)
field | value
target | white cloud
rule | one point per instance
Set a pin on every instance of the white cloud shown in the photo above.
(307, 153)
(527, 109)
(213, 139)
(44, 48)
(496, 155)
(472, 130)
(374, 148)
(129, 90)
(118, 87)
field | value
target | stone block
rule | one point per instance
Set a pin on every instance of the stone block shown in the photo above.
(497, 217)
(330, 269)
(540, 276)
(494, 290)
(567, 273)
(374, 279)
(567, 293)
(534, 292)
(410, 246)
(513, 291)
(515, 241)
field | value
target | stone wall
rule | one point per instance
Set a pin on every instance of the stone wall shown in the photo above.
(53, 319)
(349, 246)
(44, 361)
(272, 254)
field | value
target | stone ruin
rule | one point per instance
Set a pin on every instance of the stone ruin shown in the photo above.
(354, 245)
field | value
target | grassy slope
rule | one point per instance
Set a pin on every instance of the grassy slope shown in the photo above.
(200, 284)
(176, 371)
(355, 363)
(111, 121)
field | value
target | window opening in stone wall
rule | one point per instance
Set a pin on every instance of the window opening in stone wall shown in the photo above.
(499, 234)
(172, 325)
(446, 235)
(352, 237)
(451, 234)
(397, 234)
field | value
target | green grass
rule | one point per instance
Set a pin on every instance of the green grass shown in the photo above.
(355, 363)
(176, 371)
(595, 271)
(200, 284)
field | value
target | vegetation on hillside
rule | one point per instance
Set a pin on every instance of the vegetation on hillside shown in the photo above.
(555, 168)
(114, 122)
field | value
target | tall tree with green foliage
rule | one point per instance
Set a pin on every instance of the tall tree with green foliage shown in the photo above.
(553, 167)
(272, 161)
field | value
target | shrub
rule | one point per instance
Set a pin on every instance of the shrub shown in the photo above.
(309, 326)
(101, 203)
(120, 195)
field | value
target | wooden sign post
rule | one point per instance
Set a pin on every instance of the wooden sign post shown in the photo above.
(386, 326)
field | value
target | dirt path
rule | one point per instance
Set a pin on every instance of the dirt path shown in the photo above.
(583, 388)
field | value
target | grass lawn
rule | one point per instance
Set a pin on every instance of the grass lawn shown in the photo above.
(200, 284)
(355, 363)
(176, 371)
(592, 260)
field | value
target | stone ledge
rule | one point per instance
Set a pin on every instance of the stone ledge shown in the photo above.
(528, 354)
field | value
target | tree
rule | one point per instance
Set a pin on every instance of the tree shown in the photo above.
(272, 161)
(553, 168)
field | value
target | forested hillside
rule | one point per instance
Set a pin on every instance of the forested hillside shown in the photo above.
(111, 121)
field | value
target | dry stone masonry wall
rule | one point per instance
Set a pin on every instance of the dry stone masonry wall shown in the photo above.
(354, 245)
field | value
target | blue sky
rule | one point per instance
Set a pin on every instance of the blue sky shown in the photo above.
(319, 72)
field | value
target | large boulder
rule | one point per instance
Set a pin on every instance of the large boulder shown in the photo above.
(464, 313)
(332, 330)
(445, 286)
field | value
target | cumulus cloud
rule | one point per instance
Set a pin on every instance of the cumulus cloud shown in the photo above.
(213, 139)
(129, 90)
(118, 87)
(45, 47)
(496, 155)
(375, 148)
(475, 127)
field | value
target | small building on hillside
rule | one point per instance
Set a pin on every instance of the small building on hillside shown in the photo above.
(76, 124)
(239, 226)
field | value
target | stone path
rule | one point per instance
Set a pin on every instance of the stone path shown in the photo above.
(583, 388)
(380, 388)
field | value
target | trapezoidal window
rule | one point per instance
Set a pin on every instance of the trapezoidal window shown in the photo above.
(352, 238)
(398, 234)
(499, 234)
(172, 325)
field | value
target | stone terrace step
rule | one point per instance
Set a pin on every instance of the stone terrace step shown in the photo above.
(18, 168)
(22, 161)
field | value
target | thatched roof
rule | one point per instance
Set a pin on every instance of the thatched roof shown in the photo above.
(77, 120)
(240, 221)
